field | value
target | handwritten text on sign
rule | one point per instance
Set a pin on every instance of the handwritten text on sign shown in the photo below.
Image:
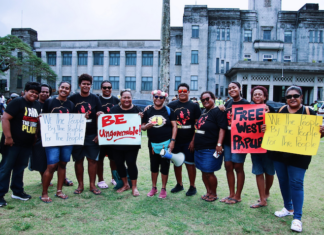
(60, 129)
(119, 129)
(247, 121)
(292, 133)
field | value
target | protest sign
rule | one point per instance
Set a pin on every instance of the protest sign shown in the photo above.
(292, 133)
(61, 129)
(119, 129)
(247, 121)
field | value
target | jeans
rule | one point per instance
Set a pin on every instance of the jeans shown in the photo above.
(15, 160)
(59, 153)
(291, 181)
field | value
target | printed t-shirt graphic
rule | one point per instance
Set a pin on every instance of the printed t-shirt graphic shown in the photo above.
(29, 123)
(157, 120)
(55, 106)
(107, 104)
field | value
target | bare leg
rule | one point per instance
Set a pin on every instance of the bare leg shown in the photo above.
(164, 180)
(212, 184)
(192, 174)
(154, 177)
(240, 182)
(178, 174)
(268, 184)
(206, 183)
(229, 166)
(92, 171)
(134, 188)
(113, 167)
(260, 184)
(47, 177)
(78, 166)
(125, 187)
(100, 169)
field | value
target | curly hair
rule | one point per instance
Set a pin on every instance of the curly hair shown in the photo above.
(208, 92)
(85, 77)
(263, 89)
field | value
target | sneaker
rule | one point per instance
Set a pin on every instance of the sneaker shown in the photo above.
(163, 194)
(284, 212)
(21, 196)
(177, 188)
(152, 192)
(191, 191)
(113, 182)
(296, 225)
(2, 202)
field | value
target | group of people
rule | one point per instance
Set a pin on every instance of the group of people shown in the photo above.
(204, 137)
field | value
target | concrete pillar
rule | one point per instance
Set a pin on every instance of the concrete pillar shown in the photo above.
(58, 68)
(138, 73)
(155, 70)
(315, 90)
(74, 77)
(270, 92)
(122, 70)
(90, 63)
(106, 66)
(249, 85)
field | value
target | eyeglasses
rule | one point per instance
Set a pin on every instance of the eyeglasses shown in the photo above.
(161, 97)
(106, 87)
(182, 91)
(292, 96)
(203, 100)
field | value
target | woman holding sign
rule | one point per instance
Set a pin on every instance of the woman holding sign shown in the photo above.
(57, 157)
(291, 168)
(161, 126)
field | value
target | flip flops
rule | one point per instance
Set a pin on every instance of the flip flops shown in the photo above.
(78, 191)
(95, 191)
(232, 199)
(224, 199)
(211, 199)
(68, 182)
(61, 195)
(258, 205)
(45, 198)
(102, 184)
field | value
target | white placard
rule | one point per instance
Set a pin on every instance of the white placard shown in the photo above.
(61, 129)
(119, 129)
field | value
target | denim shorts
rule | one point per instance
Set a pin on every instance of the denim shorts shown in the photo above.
(184, 148)
(206, 162)
(233, 157)
(261, 163)
(59, 153)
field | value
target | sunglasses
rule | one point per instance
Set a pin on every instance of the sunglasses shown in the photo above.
(106, 87)
(292, 96)
(203, 100)
(161, 97)
(182, 91)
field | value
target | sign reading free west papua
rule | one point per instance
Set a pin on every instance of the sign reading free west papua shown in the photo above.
(119, 129)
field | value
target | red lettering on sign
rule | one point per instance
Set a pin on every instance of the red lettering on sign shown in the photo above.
(107, 120)
(120, 119)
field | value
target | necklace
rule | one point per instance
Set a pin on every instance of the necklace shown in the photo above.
(208, 110)
(62, 102)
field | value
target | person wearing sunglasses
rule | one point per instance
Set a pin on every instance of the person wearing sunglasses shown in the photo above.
(210, 132)
(161, 126)
(107, 102)
(291, 168)
(187, 114)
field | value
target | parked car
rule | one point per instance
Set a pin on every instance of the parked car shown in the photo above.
(142, 103)
(320, 106)
(321, 109)
(275, 105)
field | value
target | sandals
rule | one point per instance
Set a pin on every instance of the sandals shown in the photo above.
(233, 200)
(61, 195)
(224, 199)
(203, 197)
(102, 184)
(95, 191)
(211, 198)
(45, 198)
(78, 191)
(258, 205)
(68, 182)
(136, 193)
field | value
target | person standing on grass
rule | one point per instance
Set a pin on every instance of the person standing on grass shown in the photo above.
(262, 164)
(19, 125)
(85, 102)
(187, 114)
(58, 156)
(210, 133)
(107, 101)
(161, 126)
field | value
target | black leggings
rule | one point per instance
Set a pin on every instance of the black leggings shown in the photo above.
(156, 160)
(128, 156)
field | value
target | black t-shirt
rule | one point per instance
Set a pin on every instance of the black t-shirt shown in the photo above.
(23, 126)
(228, 112)
(186, 114)
(207, 128)
(107, 104)
(117, 109)
(291, 159)
(55, 106)
(84, 104)
(162, 131)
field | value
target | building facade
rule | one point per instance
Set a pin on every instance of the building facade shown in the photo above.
(259, 46)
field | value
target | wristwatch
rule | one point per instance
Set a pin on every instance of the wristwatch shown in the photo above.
(219, 145)
(173, 140)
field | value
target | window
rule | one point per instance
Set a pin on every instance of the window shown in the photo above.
(216, 89)
(247, 57)
(114, 58)
(66, 79)
(247, 35)
(267, 35)
(217, 34)
(3, 84)
(147, 58)
(114, 82)
(227, 66)
(226, 91)
(39, 54)
(178, 58)
(217, 65)
(288, 36)
(19, 55)
(51, 58)
(159, 58)
(194, 57)
(52, 84)
(223, 34)
(311, 38)
(221, 91)
(97, 82)
(194, 83)
(222, 66)
(177, 82)
(19, 81)
(147, 83)
(130, 58)
(320, 36)
(82, 58)
(67, 58)
(130, 83)
(39, 79)
(195, 31)
(98, 58)
(267, 57)
(316, 36)
(228, 36)
(287, 58)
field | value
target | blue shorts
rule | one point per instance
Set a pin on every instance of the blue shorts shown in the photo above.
(59, 153)
(233, 157)
(184, 148)
(206, 162)
(261, 163)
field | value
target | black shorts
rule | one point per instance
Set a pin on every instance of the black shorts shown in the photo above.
(106, 150)
(90, 149)
(156, 160)
(38, 160)
(184, 148)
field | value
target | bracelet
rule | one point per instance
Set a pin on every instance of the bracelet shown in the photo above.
(172, 139)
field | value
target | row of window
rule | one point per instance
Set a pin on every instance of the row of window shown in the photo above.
(222, 34)
(287, 58)
(316, 36)
(219, 91)
(220, 66)
(98, 58)
(266, 35)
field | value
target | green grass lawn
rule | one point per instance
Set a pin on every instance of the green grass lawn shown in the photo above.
(112, 213)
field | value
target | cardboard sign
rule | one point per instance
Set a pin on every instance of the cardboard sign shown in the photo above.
(292, 133)
(247, 121)
(61, 129)
(119, 129)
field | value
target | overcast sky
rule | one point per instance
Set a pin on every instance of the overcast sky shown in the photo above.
(105, 19)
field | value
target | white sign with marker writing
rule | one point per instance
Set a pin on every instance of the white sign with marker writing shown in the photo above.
(61, 129)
